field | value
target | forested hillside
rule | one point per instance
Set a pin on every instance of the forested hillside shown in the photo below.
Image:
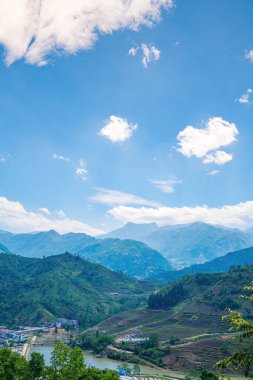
(36, 290)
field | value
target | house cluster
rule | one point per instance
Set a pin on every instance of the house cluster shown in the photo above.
(11, 338)
(62, 323)
(66, 323)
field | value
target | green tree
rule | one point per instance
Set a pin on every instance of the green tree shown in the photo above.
(136, 369)
(242, 359)
(66, 363)
(36, 365)
(13, 366)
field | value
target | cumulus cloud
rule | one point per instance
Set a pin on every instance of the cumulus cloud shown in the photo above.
(60, 157)
(81, 170)
(247, 97)
(249, 55)
(32, 29)
(112, 197)
(149, 53)
(205, 142)
(218, 157)
(117, 129)
(166, 186)
(14, 217)
(239, 215)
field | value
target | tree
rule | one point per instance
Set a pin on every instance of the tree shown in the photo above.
(66, 363)
(242, 359)
(13, 366)
(36, 365)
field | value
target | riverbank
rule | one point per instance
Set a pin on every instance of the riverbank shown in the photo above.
(27, 347)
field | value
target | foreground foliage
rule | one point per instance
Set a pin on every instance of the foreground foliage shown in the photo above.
(66, 364)
(242, 359)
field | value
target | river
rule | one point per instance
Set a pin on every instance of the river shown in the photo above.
(101, 363)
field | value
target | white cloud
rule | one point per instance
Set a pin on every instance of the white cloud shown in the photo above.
(239, 215)
(166, 186)
(60, 157)
(117, 129)
(246, 98)
(60, 213)
(45, 210)
(112, 197)
(14, 217)
(32, 29)
(81, 170)
(133, 51)
(5, 157)
(204, 142)
(218, 157)
(150, 53)
(249, 55)
(213, 172)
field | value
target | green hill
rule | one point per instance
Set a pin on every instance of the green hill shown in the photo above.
(130, 257)
(35, 290)
(186, 308)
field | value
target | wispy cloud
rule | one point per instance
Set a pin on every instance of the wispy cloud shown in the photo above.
(44, 210)
(213, 172)
(81, 170)
(249, 55)
(205, 142)
(237, 215)
(112, 197)
(246, 98)
(5, 157)
(35, 29)
(166, 185)
(14, 217)
(60, 157)
(117, 129)
(149, 53)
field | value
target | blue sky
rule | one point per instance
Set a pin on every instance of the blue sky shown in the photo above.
(65, 164)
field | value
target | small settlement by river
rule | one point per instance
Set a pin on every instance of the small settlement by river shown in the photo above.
(41, 339)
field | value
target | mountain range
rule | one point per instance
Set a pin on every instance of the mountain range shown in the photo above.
(189, 244)
(130, 257)
(37, 290)
(220, 264)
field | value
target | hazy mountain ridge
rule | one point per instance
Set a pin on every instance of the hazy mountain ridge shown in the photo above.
(189, 244)
(220, 264)
(130, 257)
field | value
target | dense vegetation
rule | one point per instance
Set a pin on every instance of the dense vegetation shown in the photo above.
(210, 293)
(220, 264)
(36, 290)
(66, 364)
(130, 257)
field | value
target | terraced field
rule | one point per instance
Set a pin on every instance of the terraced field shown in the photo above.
(143, 322)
